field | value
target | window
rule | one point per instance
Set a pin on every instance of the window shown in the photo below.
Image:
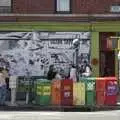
(115, 8)
(5, 6)
(62, 6)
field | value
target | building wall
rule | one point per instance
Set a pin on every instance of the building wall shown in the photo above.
(93, 6)
(78, 6)
(5, 2)
(5, 6)
(33, 6)
(44, 10)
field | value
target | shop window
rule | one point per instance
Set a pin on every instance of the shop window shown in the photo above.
(63, 6)
(5, 6)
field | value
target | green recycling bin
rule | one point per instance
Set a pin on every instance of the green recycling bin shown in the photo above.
(89, 89)
(43, 92)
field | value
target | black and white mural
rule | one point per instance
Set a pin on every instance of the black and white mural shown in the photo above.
(32, 53)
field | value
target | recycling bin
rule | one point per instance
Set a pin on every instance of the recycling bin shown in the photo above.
(79, 93)
(106, 91)
(111, 91)
(100, 91)
(62, 92)
(89, 90)
(56, 92)
(43, 92)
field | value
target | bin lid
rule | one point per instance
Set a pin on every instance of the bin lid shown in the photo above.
(91, 78)
(43, 81)
(110, 78)
(100, 78)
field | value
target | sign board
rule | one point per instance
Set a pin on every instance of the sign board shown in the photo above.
(115, 8)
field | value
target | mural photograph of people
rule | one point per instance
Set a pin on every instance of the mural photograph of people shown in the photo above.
(31, 53)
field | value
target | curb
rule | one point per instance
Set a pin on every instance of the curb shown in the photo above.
(59, 108)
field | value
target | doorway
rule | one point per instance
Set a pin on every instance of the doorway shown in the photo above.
(107, 57)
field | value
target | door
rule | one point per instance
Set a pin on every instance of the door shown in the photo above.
(107, 57)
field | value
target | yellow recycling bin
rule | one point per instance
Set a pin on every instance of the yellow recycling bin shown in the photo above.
(79, 93)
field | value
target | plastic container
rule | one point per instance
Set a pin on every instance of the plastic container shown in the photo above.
(111, 91)
(90, 98)
(56, 92)
(100, 98)
(106, 91)
(79, 93)
(90, 90)
(67, 92)
(90, 83)
(62, 92)
(100, 84)
(43, 92)
(100, 90)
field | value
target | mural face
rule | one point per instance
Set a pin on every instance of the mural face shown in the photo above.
(31, 53)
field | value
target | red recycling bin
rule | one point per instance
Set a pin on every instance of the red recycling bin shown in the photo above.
(100, 98)
(67, 92)
(56, 92)
(100, 84)
(111, 91)
(62, 92)
(100, 90)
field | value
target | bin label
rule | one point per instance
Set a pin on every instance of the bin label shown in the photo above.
(67, 94)
(90, 86)
(111, 88)
(39, 90)
(46, 90)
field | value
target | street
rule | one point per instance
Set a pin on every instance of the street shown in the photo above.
(103, 115)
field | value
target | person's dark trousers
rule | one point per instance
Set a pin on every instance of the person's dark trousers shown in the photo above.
(3, 94)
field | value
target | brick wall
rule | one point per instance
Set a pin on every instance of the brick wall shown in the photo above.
(34, 6)
(48, 6)
(93, 6)
(43, 7)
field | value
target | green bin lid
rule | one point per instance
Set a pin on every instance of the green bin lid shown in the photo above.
(91, 78)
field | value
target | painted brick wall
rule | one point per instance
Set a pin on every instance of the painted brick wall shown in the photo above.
(48, 6)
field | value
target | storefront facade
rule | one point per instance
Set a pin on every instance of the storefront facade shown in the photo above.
(94, 31)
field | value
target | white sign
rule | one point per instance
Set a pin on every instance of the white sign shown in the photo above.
(115, 8)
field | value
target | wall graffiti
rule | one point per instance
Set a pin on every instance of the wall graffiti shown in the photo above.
(31, 53)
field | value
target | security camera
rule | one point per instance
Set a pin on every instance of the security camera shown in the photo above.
(76, 42)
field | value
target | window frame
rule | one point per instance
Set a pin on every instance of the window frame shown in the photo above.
(9, 8)
(64, 12)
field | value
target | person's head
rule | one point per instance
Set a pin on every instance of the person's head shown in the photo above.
(52, 68)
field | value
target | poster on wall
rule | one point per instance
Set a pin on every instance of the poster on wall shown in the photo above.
(31, 53)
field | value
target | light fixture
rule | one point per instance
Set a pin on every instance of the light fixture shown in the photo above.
(119, 55)
(76, 42)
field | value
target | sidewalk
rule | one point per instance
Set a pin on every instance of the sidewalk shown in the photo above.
(21, 106)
